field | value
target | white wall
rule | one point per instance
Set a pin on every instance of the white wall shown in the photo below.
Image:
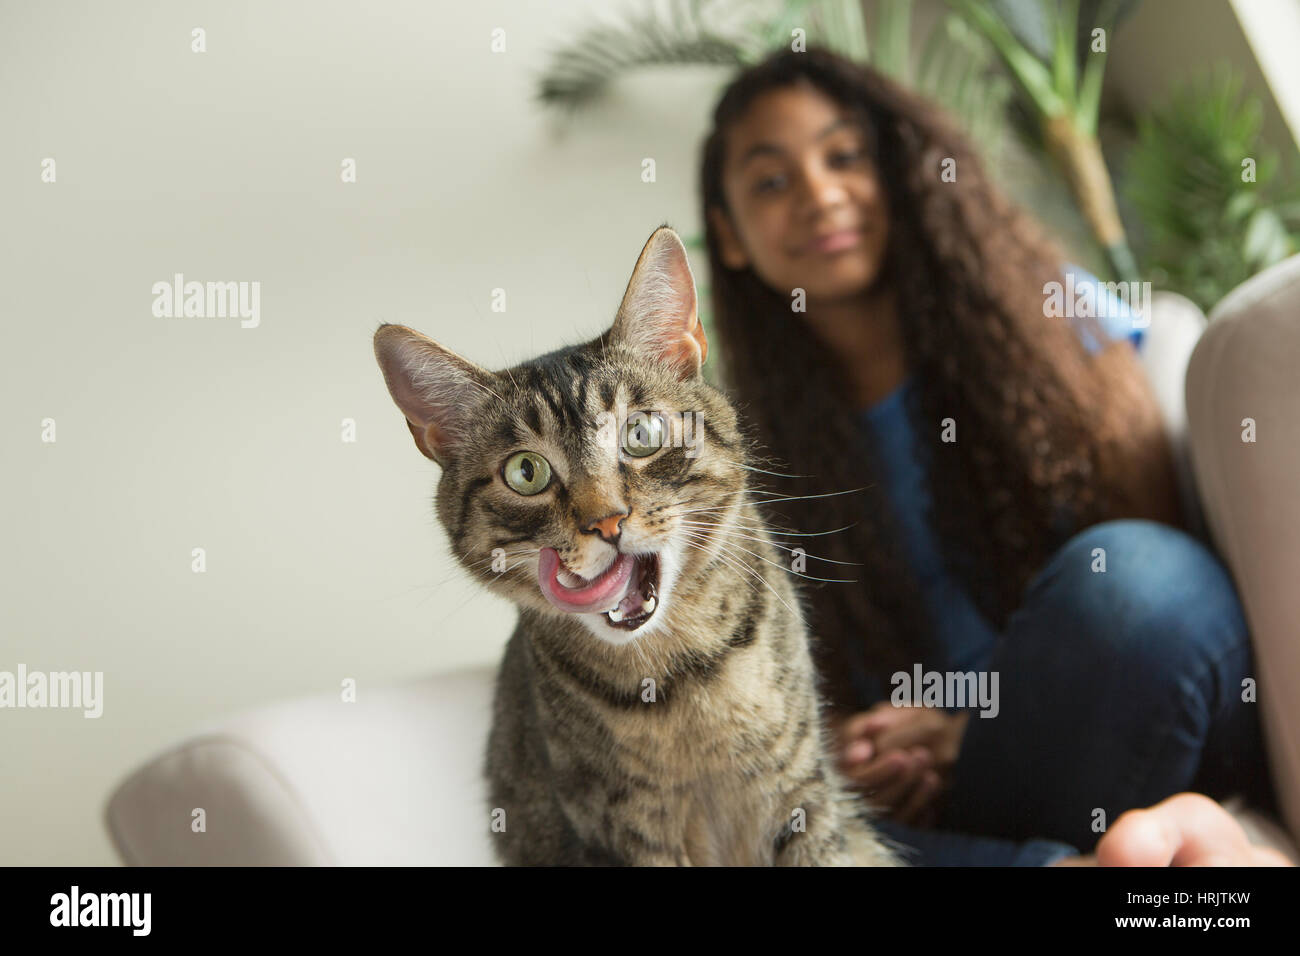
(1272, 28)
(1165, 43)
(324, 559)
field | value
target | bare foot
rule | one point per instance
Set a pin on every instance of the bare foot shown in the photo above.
(1187, 829)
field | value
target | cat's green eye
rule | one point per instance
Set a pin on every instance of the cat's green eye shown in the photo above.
(643, 434)
(527, 472)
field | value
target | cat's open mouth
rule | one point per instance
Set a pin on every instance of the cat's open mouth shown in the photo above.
(627, 591)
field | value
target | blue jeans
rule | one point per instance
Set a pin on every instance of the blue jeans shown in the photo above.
(1116, 689)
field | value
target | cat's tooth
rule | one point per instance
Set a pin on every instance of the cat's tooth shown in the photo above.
(648, 604)
(616, 615)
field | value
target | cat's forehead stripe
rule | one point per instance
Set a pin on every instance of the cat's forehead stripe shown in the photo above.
(544, 389)
(507, 433)
(533, 418)
(584, 374)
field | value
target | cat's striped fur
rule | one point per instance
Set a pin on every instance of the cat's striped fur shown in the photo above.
(697, 737)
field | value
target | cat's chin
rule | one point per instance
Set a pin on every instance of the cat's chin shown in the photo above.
(640, 610)
(631, 617)
(642, 598)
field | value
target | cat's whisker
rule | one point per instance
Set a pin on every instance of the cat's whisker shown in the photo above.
(777, 496)
(762, 580)
(693, 538)
(657, 662)
(800, 574)
(731, 552)
(507, 554)
(718, 557)
(776, 474)
(690, 511)
(472, 591)
(732, 533)
(510, 375)
(482, 387)
(429, 589)
(469, 596)
(756, 524)
(767, 584)
(724, 520)
(464, 574)
(493, 557)
(739, 516)
(647, 669)
(811, 534)
(740, 511)
(796, 534)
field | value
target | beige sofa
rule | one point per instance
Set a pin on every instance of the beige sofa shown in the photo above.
(1247, 366)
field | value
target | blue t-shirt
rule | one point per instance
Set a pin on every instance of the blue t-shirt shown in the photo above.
(963, 633)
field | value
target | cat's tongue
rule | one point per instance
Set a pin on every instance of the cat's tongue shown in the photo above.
(599, 594)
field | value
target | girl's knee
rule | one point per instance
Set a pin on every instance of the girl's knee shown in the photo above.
(1137, 588)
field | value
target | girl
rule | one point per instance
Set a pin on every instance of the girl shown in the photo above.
(882, 319)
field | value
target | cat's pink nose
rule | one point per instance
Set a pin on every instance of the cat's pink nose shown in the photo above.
(608, 526)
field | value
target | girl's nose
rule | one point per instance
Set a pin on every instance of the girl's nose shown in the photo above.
(822, 189)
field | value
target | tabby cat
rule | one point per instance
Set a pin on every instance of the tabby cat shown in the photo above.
(657, 703)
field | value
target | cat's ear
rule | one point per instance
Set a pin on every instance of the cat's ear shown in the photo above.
(657, 317)
(434, 387)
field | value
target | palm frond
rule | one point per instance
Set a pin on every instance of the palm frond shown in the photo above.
(581, 70)
(1207, 227)
(958, 70)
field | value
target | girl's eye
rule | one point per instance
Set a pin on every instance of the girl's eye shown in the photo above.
(527, 472)
(847, 157)
(643, 434)
(767, 184)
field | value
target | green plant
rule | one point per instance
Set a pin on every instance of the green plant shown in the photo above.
(1057, 60)
(1206, 192)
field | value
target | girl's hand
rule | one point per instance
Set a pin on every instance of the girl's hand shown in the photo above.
(885, 727)
(1187, 829)
(901, 757)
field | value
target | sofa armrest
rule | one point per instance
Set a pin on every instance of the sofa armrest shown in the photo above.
(393, 779)
(1243, 368)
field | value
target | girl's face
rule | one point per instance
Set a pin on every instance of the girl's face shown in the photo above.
(807, 209)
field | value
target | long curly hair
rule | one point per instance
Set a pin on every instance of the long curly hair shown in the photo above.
(1050, 439)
